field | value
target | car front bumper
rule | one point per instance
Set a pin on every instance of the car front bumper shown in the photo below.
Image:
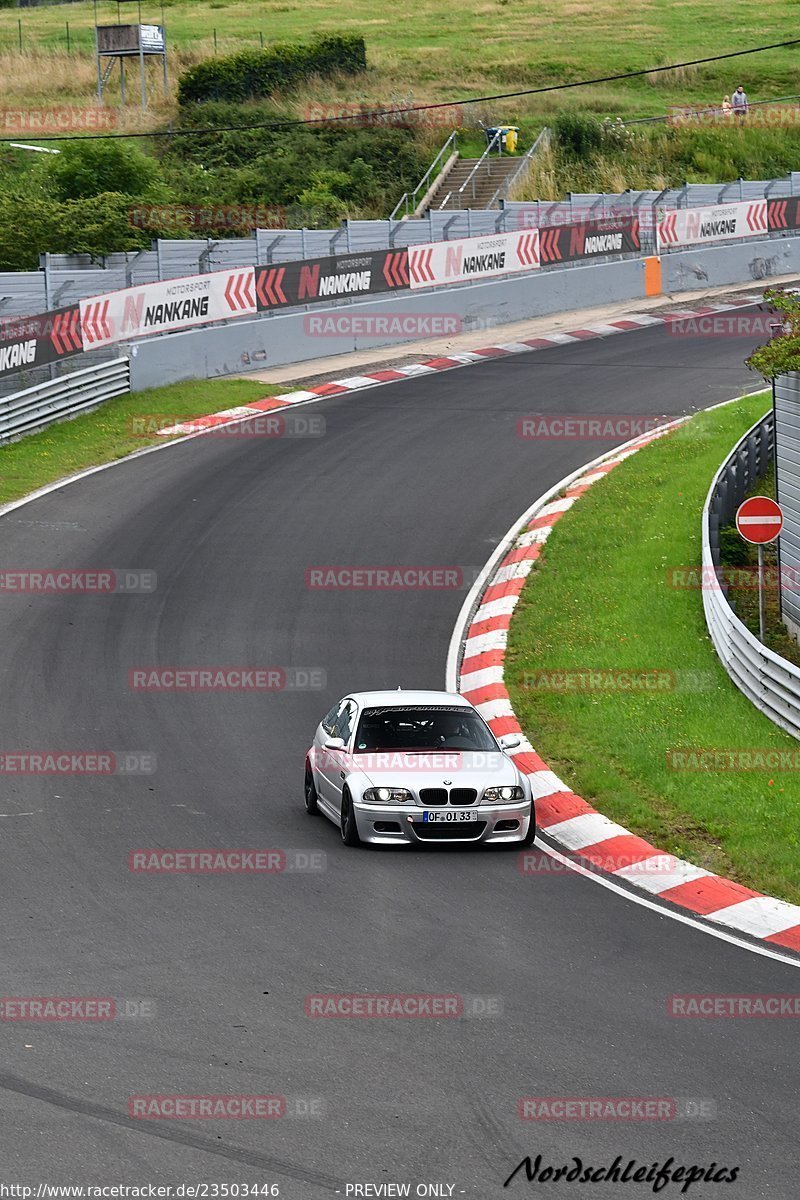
(390, 824)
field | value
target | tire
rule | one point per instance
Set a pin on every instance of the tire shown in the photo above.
(310, 792)
(348, 826)
(530, 836)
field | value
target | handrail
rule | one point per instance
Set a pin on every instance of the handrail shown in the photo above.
(510, 182)
(408, 200)
(471, 177)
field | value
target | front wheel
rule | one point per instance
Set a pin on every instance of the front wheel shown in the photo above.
(349, 828)
(530, 836)
(310, 792)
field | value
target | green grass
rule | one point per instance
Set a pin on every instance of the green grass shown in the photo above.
(457, 49)
(661, 156)
(599, 597)
(109, 432)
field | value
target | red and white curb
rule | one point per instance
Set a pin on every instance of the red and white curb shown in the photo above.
(563, 817)
(355, 383)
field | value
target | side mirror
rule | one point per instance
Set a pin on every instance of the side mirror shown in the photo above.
(510, 740)
(335, 744)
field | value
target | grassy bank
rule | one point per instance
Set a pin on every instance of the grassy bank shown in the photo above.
(599, 599)
(660, 156)
(487, 46)
(112, 431)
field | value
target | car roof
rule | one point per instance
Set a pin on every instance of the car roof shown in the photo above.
(403, 699)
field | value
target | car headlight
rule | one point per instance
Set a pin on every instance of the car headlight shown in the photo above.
(503, 793)
(385, 795)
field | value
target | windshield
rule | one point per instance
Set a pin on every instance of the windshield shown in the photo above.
(422, 728)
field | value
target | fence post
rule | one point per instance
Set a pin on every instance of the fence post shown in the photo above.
(46, 268)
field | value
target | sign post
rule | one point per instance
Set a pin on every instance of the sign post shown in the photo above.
(759, 521)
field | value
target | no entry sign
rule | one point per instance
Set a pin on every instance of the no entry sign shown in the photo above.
(759, 520)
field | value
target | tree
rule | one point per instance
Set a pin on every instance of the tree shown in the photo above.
(782, 353)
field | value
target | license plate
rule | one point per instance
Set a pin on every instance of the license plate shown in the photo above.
(445, 814)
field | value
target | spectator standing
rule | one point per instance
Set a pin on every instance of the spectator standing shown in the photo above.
(739, 103)
(726, 106)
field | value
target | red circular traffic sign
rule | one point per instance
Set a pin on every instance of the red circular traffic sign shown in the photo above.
(759, 520)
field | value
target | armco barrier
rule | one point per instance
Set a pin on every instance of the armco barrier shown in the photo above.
(67, 396)
(769, 681)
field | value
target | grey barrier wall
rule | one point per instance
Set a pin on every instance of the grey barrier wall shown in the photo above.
(715, 266)
(66, 278)
(772, 683)
(786, 395)
(297, 336)
(247, 345)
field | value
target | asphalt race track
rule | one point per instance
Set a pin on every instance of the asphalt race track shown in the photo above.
(428, 472)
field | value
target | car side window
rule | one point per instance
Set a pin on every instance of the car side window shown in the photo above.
(344, 722)
(329, 719)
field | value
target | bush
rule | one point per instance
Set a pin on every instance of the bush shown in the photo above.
(578, 135)
(733, 551)
(268, 166)
(32, 225)
(90, 167)
(253, 74)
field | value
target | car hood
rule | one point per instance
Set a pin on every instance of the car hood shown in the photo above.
(440, 769)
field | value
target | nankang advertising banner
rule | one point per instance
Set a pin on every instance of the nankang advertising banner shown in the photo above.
(590, 239)
(465, 259)
(167, 306)
(41, 339)
(723, 222)
(783, 213)
(313, 280)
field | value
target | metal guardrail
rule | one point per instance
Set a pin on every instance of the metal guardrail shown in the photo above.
(494, 144)
(511, 181)
(46, 403)
(769, 681)
(409, 200)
